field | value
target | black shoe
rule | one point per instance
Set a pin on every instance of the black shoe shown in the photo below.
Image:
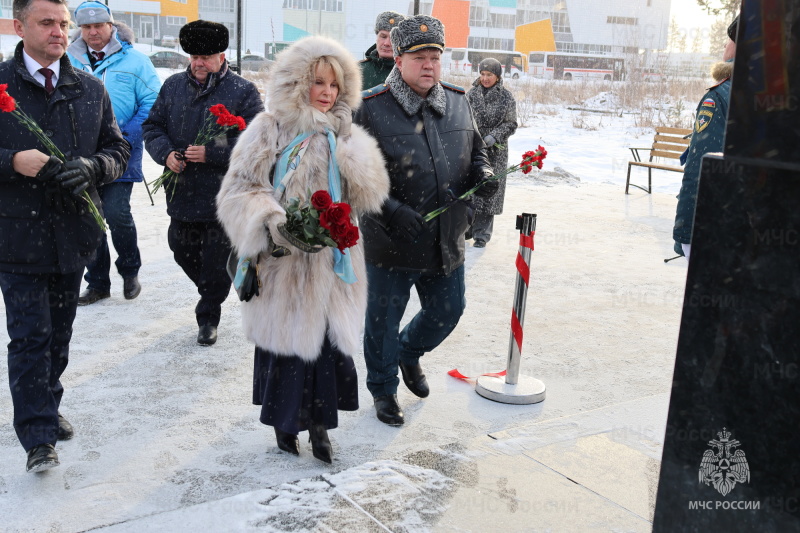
(41, 458)
(207, 335)
(388, 410)
(90, 296)
(287, 442)
(320, 445)
(479, 243)
(131, 287)
(65, 431)
(414, 379)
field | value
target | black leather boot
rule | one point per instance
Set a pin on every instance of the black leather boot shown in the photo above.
(414, 379)
(90, 296)
(65, 431)
(131, 287)
(287, 442)
(41, 458)
(320, 445)
(207, 335)
(388, 410)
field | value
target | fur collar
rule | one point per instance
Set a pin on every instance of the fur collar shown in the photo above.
(410, 101)
(721, 70)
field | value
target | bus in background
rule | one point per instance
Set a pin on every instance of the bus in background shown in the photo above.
(573, 66)
(465, 61)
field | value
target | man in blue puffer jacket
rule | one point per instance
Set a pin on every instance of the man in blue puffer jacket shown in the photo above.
(104, 48)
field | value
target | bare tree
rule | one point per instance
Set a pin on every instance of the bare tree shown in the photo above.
(718, 36)
(728, 8)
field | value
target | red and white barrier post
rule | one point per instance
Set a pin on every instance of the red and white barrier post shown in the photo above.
(516, 389)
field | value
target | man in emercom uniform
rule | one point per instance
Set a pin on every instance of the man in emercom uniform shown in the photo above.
(378, 60)
(195, 237)
(708, 136)
(105, 48)
(47, 235)
(433, 150)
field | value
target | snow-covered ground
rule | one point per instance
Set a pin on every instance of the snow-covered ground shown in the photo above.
(163, 424)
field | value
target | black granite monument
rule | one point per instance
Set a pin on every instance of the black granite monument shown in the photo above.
(731, 459)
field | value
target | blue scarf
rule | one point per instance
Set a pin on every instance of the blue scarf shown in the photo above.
(285, 168)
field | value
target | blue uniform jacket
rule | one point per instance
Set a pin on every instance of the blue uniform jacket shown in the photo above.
(131, 82)
(708, 136)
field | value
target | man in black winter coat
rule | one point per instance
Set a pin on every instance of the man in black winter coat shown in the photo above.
(47, 235)
(433, 151)
(196, 239)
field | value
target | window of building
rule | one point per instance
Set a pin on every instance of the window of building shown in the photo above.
(490, 43)
(220, 6)
(478, 16)
(497, 20)
(628, 21)
(335, 6)
(180, 1)
(176, 21)
(7, 7)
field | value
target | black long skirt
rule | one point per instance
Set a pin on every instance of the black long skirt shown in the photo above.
(295, 394)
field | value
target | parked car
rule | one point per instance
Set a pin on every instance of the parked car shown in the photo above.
(169, 59)
(169, 41)
(253, 63)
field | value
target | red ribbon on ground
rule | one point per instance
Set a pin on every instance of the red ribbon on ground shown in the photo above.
(456, 374)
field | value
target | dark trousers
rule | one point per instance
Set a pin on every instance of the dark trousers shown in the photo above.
(201, 249)
(442, 301)
(482, 227)
(116, 199)
(40, 310)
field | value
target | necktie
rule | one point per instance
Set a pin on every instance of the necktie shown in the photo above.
(99, 55)
(48, 80)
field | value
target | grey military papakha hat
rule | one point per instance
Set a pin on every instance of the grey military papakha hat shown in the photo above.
(388, 20)
(417, 33)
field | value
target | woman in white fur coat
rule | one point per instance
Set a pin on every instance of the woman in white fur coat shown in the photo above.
(306, 322)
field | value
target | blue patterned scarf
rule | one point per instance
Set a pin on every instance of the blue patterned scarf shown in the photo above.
(285, 168)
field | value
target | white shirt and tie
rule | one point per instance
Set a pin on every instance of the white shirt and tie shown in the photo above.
(40, 73)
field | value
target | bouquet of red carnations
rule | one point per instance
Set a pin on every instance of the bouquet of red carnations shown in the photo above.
(530, 159)
(9, 105)
(218, 121)
(318, 223)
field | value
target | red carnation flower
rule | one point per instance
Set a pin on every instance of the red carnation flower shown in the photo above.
(321, 200)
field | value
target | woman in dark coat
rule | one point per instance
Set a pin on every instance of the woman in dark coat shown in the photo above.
(496, 114)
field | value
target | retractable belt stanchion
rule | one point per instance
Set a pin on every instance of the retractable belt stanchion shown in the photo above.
(516, 389)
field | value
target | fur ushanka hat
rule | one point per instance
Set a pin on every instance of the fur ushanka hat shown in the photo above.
(388, 20)
(203, 38)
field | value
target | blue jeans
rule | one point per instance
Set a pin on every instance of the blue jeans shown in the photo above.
(116, 197)
(442, 301)
(40, 310)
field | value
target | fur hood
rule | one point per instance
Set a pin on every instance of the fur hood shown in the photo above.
(123, 32)
(291, 79)
(721, 70)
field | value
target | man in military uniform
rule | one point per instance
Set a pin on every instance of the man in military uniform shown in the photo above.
(433, 150)
(378, 61)
(708, 136)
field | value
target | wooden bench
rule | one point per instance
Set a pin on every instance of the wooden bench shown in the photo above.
(668, 143)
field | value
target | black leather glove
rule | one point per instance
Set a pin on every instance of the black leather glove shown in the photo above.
(488, 188)
(78, 174)
(406, 223)
(50, 169)
(61, 201)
